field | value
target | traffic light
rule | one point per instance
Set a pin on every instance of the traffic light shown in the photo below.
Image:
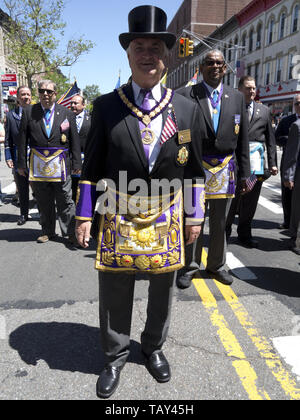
(189, 47)
(181, 52)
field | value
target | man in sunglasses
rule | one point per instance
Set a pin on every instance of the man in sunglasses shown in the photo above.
(224, 135)
(281, 135)
(50, 130)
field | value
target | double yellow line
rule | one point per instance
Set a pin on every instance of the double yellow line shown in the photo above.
(243, 368)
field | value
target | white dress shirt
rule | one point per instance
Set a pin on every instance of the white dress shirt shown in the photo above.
(156, 124)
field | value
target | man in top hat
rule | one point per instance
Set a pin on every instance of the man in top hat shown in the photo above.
(142, 136)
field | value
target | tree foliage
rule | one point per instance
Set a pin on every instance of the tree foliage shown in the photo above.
(91, 92)
(34, 31)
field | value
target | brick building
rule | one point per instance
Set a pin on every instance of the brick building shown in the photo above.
(202, 18)
(261, 40)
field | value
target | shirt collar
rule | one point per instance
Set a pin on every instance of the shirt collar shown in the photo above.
(81, 115)
(211, 89)
(48, 108)
(156, 91)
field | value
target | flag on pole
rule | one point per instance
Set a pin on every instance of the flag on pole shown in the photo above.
(164, 79)
(66, 98)
(119, 81)
(193, 80)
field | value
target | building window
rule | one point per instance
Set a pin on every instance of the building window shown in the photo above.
(290, 67)
(249, 68)
(229, 50)
(278, 70)
(251, 36)
(270, 31)
(258, 37)
(295, 18)
(256, 73)
(282, 25)
(268, 74)
(244, 44)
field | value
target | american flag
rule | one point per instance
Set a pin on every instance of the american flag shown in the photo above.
(193, 80)
(169, 130)
(66, 98)
(251, 181)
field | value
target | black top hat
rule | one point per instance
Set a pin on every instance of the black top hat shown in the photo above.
(147, 22)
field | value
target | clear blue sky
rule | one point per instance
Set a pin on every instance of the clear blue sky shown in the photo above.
(101, 21)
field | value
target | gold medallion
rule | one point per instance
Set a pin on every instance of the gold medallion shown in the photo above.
(183, 156)
(237, 129)
(63, 138)
(146, 120)
(215, 111)
(149, 136)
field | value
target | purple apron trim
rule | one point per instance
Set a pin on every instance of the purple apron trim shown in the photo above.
(87, 200)
(209, 159)
(195, 202)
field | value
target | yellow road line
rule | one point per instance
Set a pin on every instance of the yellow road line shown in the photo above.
(232, 347)
(264, 347)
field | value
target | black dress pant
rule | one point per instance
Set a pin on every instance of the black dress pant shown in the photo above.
(116, 294)
(245, 207)
(23, 190)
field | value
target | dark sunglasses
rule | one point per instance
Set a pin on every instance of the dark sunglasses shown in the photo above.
(211, 63)
(297, 103)
(48, 91)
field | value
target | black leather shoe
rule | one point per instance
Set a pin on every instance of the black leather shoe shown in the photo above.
(158, 366)
(296, 250)
(22, 220)
(184, 281)
(108, 381)
(248, 242)
(222, 276)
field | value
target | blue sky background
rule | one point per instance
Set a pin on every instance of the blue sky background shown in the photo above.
(101, 21)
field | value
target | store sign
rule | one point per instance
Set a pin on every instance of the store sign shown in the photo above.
(9, 79)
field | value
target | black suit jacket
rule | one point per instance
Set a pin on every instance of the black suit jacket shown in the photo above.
(282, 131)
(291, 160)
(114, 143)
(84, 131)
(261, 130)
(12, 127)
(226, 140)
(33, 132)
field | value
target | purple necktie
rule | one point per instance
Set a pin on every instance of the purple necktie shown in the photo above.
(146, 106)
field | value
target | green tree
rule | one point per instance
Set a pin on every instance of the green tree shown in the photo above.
(91, 92)
(34, 28)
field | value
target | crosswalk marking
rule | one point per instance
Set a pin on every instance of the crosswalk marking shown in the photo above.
(289, 348)
(238, 269)
(277, 190)
(273, 207)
